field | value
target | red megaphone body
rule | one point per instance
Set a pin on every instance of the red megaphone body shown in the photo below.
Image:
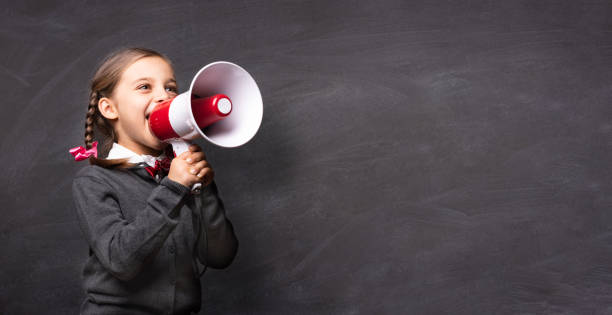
(205, 112)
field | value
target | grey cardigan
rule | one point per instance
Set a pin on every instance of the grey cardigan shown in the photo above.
(146, 240)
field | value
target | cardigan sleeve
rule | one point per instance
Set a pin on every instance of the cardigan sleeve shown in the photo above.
(124, 247)
(216, 243)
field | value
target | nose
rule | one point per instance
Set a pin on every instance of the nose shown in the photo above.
(162, 96)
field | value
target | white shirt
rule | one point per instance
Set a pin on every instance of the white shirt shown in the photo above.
(118, 151)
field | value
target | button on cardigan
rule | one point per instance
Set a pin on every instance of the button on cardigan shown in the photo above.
(147, 239)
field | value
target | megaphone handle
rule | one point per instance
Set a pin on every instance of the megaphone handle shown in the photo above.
(179, 146)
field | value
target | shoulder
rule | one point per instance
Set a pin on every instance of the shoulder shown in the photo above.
(97, 174)
(94, 171)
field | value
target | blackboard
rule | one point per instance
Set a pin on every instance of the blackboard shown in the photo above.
(415, 157)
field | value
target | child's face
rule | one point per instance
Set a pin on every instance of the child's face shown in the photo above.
(144, 84)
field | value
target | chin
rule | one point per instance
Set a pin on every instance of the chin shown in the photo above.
(157, 145)
(161, 145)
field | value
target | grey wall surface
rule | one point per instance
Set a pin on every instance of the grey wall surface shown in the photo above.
(415, 157)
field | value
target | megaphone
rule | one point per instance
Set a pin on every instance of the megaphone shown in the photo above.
(223, 105)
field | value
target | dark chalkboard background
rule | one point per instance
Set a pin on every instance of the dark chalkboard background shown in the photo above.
(420, 157)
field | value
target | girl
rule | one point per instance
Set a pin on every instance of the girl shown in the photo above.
(147, 233)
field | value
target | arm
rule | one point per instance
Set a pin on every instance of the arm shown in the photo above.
(216, 242)
(122, 247)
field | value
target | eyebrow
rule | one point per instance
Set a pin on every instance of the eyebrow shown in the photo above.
(151, 79)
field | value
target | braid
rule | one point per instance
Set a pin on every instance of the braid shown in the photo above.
(89, 119)
(94, 119)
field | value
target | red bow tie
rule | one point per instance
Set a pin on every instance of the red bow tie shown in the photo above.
(161, 167)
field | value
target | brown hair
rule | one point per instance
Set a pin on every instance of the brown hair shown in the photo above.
(103, 84)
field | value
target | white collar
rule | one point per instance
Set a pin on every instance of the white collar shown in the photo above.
(120, 152)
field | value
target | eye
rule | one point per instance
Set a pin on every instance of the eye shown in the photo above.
(172, 89)
(140, 87)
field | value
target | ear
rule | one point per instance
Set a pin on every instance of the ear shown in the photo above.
(108, 108)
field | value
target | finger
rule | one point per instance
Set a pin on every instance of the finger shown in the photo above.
(203, 173)
(184, 155)
(196, 168)
(201, 165)
(206, 176)
(196, 157)
(194, 148)
(193, 170)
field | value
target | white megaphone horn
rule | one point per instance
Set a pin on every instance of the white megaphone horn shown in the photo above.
(223, 105)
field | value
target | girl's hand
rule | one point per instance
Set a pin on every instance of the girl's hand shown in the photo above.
(191, 167)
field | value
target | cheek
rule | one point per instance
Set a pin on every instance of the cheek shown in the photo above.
(132, 108)
(136, 111)
(134, 122)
